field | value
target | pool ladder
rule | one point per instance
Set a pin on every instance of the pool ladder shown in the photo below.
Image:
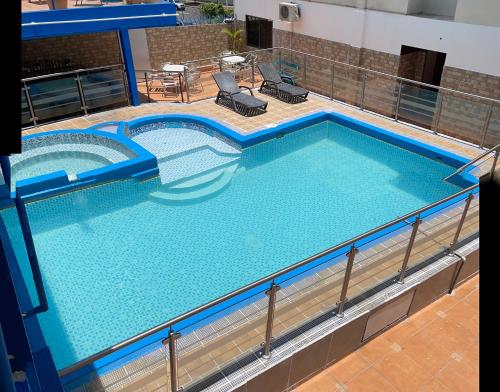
(495, 150)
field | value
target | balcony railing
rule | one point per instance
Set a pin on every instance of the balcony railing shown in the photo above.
(465, 116)
(60, 95)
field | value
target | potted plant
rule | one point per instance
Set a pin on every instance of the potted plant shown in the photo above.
(235, 37)
(57, 4)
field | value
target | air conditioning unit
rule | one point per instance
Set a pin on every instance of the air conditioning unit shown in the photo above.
(289, 12)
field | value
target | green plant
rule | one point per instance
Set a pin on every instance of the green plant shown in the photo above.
(235, 37)
(212, 10)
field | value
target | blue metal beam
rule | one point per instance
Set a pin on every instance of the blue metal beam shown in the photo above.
(128, 61)
(50, 23)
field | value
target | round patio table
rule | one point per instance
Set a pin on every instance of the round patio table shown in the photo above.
(176, 69)
(233, 59)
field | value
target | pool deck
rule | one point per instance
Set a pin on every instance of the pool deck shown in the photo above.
(435, 350)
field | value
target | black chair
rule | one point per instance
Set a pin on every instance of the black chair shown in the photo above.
(276, 86)
(230, 95)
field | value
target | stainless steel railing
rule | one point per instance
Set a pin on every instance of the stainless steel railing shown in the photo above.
(442, 110)
(46, 98)
(353, 245)
(495, 150)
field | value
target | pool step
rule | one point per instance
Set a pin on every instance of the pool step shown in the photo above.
(196, 189)
(197, 182)
(193, 164)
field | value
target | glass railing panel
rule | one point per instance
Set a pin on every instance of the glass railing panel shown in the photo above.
(417, 105)
(145, 367)
(462, 117)
(492, 137)
(377, 263)
(306, 295)
(104, 89)
(319, 76)
(55, 98)
(25, 110)
(347, 85)
(380, 94)
(214, 345)
(435, 233)
(290, 64)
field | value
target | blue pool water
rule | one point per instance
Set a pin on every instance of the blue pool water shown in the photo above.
(120, 258)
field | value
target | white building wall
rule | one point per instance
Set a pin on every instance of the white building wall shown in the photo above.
(471, 47)
(485, 12)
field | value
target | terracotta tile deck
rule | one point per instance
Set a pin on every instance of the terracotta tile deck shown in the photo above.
(435, 350)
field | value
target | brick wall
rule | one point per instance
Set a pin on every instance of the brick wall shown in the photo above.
(183, 43)
(465, 117)
(84, 50)
(471, 82)
(411, 65)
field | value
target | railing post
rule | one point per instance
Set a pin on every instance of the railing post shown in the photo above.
(270, 318)
(345, 284)
(188, 98)
(147, 86)
(456, 273)
(125, 84)
(280, 61)
(398, 100)
(363, 86)
(404, 267)
(461, 223)
(495, 159)
(305, 71)
(30, 104)
(253, 72)
(486, 125)
(438, 113)
(332, 80)
(172, 358)
(80, 90)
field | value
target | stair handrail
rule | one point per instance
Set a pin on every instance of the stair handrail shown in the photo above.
(495, 149)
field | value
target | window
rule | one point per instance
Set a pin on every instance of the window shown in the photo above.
(259, 32)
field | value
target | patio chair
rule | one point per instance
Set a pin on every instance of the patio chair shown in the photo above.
(230, 95)
(193, 77)
(246, 66)
(274, 84)
(170, 82)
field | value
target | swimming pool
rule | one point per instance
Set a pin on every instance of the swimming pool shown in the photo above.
(71, 158)
(116, 260)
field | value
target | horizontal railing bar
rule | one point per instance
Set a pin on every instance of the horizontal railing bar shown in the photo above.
(393, 76)
(114, 66)
(478, 158)
(255, 284)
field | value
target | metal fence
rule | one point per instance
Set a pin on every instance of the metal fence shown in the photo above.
(462, 115)
(60, 95)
